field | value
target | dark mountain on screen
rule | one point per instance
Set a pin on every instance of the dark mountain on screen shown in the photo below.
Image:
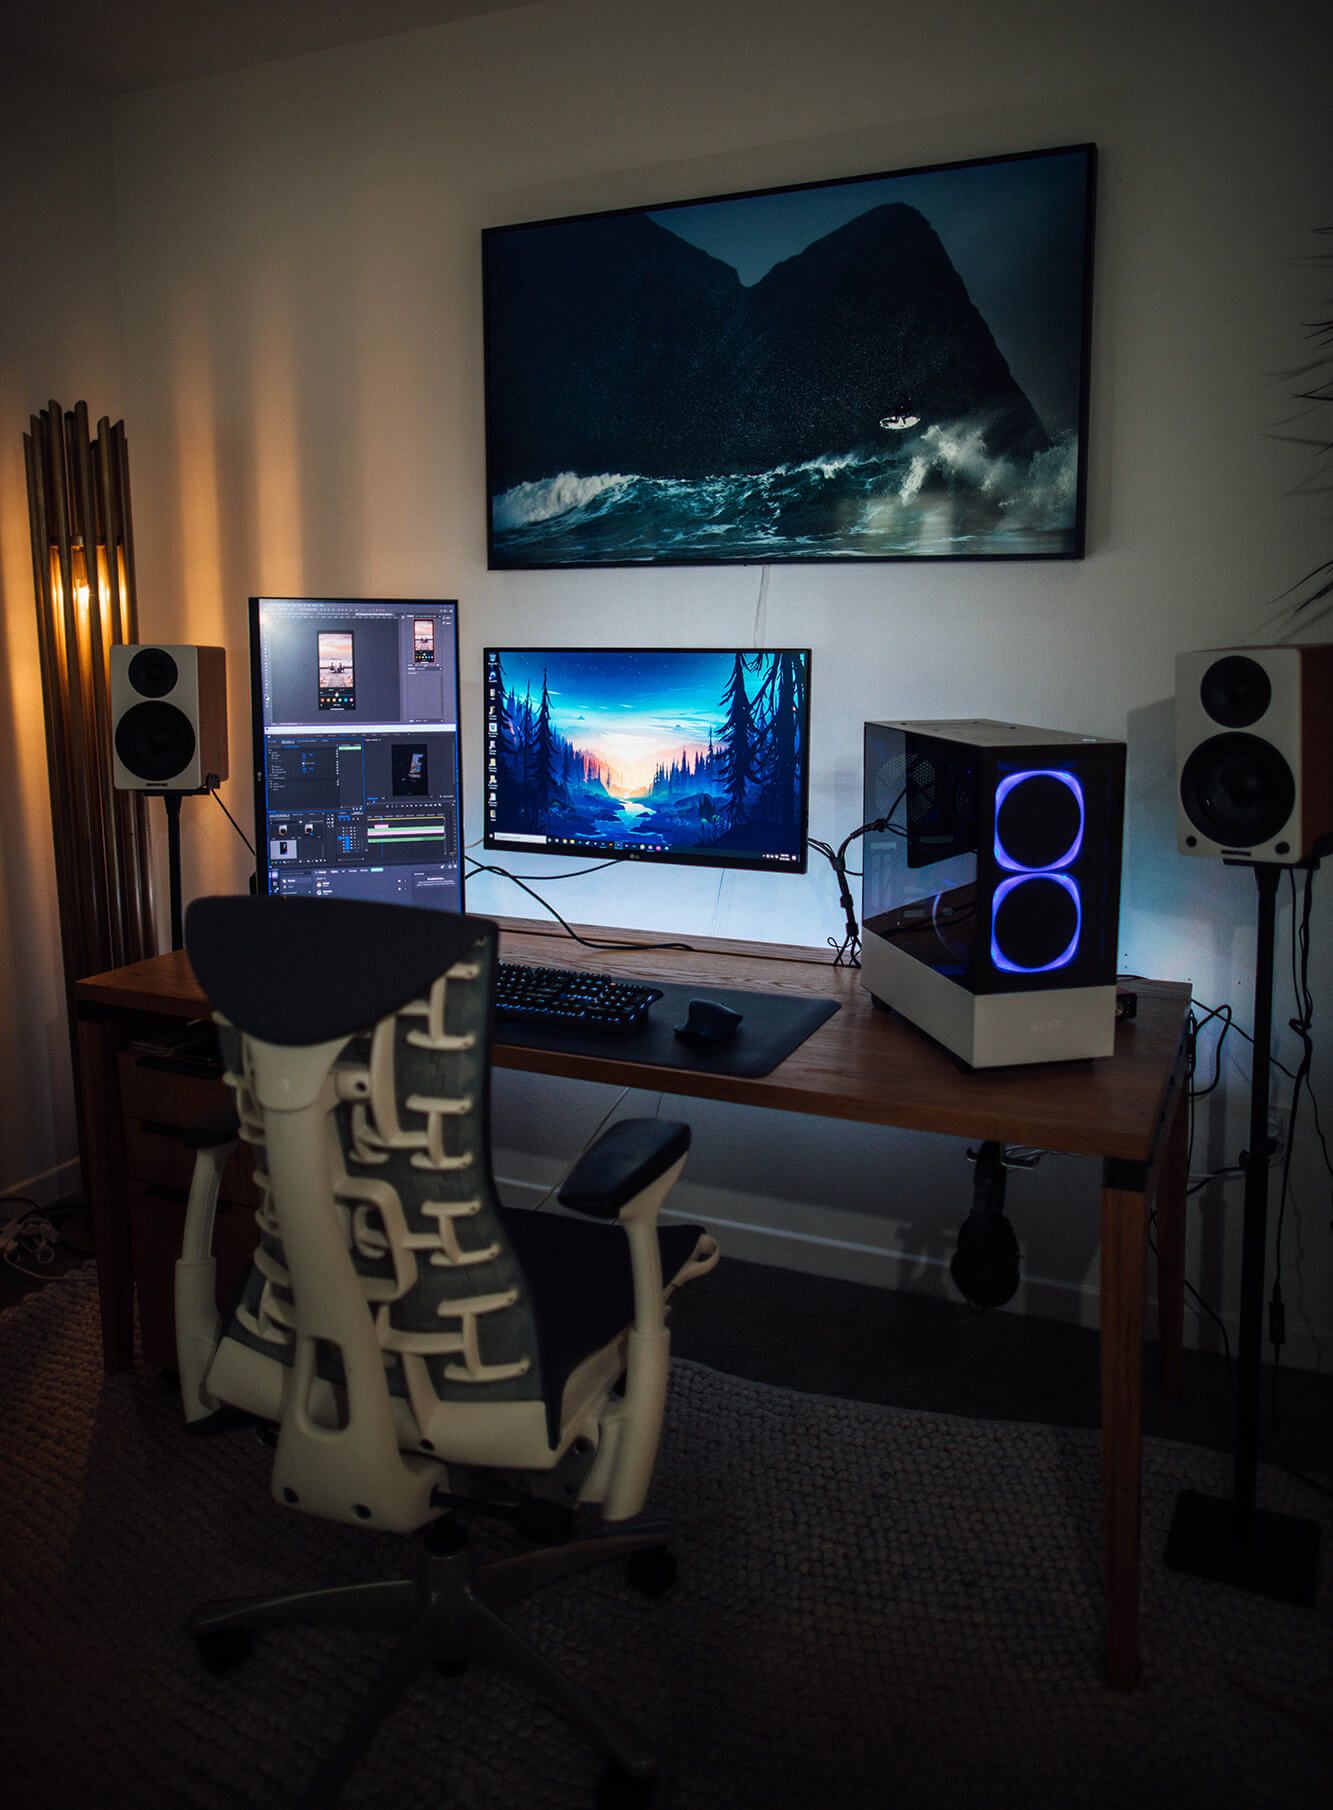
(615, 346)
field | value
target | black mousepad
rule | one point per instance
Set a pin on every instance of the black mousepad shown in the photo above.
(771, 1027)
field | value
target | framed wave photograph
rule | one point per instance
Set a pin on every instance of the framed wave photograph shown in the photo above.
(886, 367)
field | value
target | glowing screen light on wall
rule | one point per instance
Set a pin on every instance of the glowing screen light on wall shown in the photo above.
(1038, 902)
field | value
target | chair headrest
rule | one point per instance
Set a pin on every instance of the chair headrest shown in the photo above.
(298, 971)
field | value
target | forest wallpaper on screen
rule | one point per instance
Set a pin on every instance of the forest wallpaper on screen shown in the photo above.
(681, 752)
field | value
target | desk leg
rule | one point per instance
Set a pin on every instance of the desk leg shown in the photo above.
(101, 1038)
(1124, 1273)
(1172, 1182)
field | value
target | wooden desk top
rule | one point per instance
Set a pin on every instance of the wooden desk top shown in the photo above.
(862, 1064)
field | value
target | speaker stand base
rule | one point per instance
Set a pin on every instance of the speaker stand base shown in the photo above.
(1281, 1561)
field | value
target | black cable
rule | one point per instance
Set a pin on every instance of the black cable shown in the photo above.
(1199, 1302)
(1225, 1013)
(214, 793)
(1306, 1002)
(1191, 1059)
(1301, 1024)
(574, 873)
(1196, 1025)
(847, 953)
(1300, 1077)
(1215, 1175)
(486, 867)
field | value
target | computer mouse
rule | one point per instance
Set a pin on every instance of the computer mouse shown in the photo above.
(709, 1021)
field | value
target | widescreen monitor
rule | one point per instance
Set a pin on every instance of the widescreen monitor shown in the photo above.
(889, 366)
(691, 755)
(356, 762)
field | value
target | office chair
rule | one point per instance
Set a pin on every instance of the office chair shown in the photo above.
(422, 1350)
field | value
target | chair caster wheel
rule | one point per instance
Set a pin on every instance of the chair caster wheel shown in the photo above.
(651, 1570)
(222, 1648)
(621, 1790)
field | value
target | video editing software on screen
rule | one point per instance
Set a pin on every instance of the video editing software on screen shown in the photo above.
(355, 709)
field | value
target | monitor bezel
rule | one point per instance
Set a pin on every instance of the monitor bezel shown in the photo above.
(721, 863)
(263, 872)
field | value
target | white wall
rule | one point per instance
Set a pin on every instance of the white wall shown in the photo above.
(301, 306)
(59, 339)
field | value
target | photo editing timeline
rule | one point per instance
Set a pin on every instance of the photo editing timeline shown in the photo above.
(358, 771)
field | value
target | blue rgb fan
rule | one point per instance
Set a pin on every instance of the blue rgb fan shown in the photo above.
(1042, 813)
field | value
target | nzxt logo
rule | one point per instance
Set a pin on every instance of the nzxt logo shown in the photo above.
(1043, 1024)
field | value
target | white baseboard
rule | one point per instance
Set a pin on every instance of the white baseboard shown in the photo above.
(746, 1231)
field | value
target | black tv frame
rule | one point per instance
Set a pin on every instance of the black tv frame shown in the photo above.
(737, 864)
(497, 560)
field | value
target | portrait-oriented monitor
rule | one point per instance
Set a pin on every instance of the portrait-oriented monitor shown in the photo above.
(355, 712)
(693, 755)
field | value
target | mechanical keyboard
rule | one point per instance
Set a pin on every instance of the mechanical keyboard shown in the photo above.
(570, 996)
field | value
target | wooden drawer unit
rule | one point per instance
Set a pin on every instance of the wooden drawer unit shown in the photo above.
(160, 1101)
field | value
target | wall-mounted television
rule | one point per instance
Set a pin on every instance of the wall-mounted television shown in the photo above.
(892, 366)
(692, 755)
(354, 704)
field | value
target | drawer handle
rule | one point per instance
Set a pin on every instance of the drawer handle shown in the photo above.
(222, 1130)
(160, 1191)
(180, 1065)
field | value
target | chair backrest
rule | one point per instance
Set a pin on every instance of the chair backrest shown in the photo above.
(357, 1038)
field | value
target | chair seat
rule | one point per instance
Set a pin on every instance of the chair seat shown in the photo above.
(578, 1273)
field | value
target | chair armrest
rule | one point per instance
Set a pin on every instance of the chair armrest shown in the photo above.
(626, 1176)
(628, 1157)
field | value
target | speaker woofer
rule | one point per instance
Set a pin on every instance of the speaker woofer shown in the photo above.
(155, 741)
(1237, 789)
(1235, 691)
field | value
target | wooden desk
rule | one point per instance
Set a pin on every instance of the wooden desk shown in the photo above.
(1128, 1110)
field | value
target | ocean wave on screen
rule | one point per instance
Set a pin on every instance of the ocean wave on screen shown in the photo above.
(546, 498)
(1048, 495)
(1038, 494)
(935, 491)
(956, 451)
(824, 465)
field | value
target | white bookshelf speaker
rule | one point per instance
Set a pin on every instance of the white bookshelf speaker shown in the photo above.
(168, 718)
(1254, 752)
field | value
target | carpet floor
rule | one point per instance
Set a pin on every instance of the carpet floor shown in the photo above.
(874, 1606)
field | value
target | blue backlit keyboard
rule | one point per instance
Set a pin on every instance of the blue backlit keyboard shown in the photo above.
(570, 996)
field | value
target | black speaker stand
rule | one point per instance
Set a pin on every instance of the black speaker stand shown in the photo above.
(172, 800)
(1237, 1542)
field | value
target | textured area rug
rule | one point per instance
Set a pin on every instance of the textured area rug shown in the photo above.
(874, 1606)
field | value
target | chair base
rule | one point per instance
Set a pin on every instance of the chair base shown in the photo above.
(448, 1613)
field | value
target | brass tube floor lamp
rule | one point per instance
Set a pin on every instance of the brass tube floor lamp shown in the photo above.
(83, 577)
